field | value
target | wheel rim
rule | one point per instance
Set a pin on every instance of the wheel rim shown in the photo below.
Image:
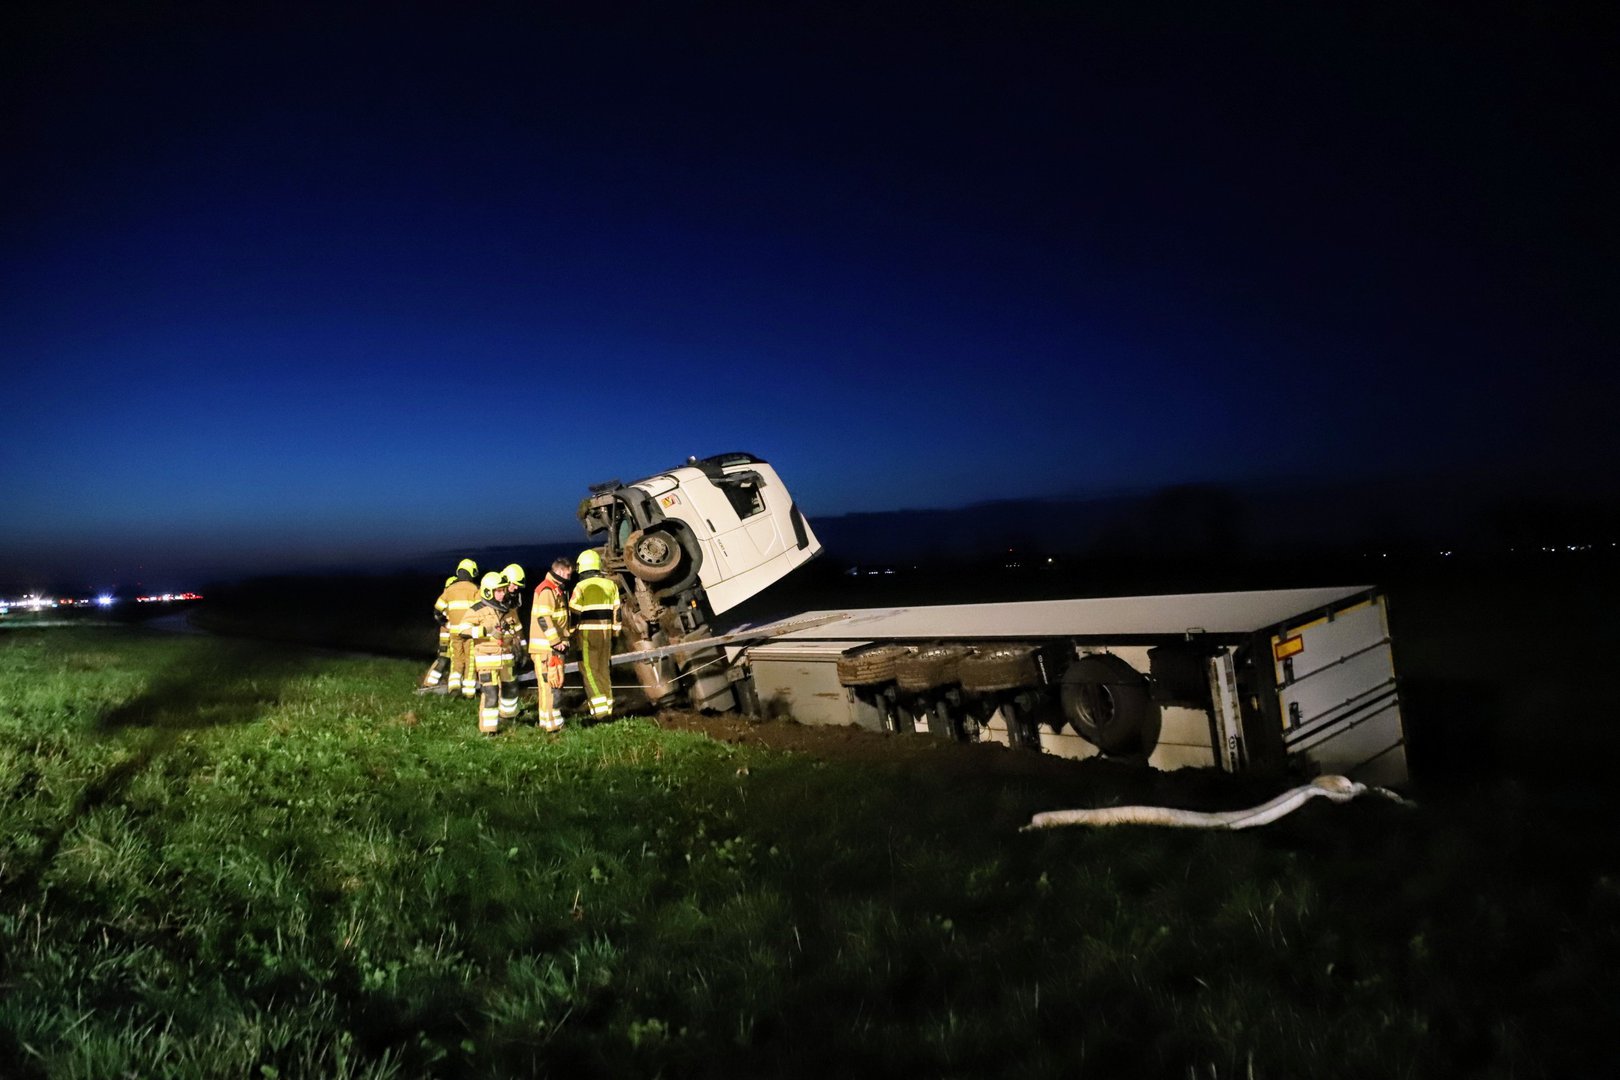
(655, 550)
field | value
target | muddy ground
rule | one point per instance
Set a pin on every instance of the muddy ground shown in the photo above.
(857, 744)
(1094, 781)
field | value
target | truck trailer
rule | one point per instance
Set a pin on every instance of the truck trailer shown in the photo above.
(1231, 680)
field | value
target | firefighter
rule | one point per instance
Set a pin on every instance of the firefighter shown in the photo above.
(512, 574)
(485, 628)
(595, 606)
(459, 594)
(548, 639)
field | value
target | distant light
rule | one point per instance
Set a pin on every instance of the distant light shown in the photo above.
(104, 600)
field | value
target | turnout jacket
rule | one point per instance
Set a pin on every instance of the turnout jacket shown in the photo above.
(486, 625)
(595, 602)
(453, 603)
(548, 618)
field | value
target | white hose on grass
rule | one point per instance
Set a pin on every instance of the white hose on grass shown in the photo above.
(1333, 788)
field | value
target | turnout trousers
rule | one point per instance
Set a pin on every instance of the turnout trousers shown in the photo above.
(462, 676)
(547, 679)
(595, 657)
(497, 692)
(441, 663)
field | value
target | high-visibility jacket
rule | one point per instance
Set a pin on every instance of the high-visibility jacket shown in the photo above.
(595, 602)
(485, 624)
(548, 618)
(453, 603)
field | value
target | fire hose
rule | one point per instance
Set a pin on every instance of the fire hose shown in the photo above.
(1337, 789)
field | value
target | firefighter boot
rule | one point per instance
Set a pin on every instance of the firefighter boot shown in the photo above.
(435, 675)
(489, 703)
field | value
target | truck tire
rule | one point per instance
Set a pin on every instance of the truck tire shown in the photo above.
(1109, 704)
(999, 667)
(870, 665)
(929, 668)
(653, 555)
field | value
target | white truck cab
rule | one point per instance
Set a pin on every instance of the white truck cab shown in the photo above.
(689, 543)
(723, 522)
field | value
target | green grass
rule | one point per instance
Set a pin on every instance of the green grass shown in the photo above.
(224, 859)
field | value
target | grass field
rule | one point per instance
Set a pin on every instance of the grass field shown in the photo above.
(226, 859)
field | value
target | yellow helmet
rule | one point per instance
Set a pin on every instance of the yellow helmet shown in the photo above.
(491, 581)
(590, 559)
(449, 581)
(468, 567)
(513, 574)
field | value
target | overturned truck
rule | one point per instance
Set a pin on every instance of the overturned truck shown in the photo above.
(1230, 680)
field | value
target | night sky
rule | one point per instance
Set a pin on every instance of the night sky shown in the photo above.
(339, 281)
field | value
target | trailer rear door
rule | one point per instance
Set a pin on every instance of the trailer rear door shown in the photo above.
(1335, 686)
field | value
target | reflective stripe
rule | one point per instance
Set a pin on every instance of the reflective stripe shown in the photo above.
(459, 605)
(590, 593)
(586, 666)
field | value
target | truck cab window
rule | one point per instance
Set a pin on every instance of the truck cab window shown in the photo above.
(743, 493)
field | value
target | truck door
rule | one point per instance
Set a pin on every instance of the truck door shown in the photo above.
(1336, 693)
(759, 538)
(712, 510)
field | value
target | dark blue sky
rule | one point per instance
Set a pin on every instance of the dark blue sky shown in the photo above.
(344, 279)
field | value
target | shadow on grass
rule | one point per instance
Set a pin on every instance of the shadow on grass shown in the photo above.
(212, 684)
(215, 683)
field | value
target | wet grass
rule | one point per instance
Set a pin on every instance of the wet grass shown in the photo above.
(240, 861)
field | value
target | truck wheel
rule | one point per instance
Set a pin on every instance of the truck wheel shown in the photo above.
(869, 666)
(929, 668)
(1109, 704)
(999, 667)
(653, 555)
